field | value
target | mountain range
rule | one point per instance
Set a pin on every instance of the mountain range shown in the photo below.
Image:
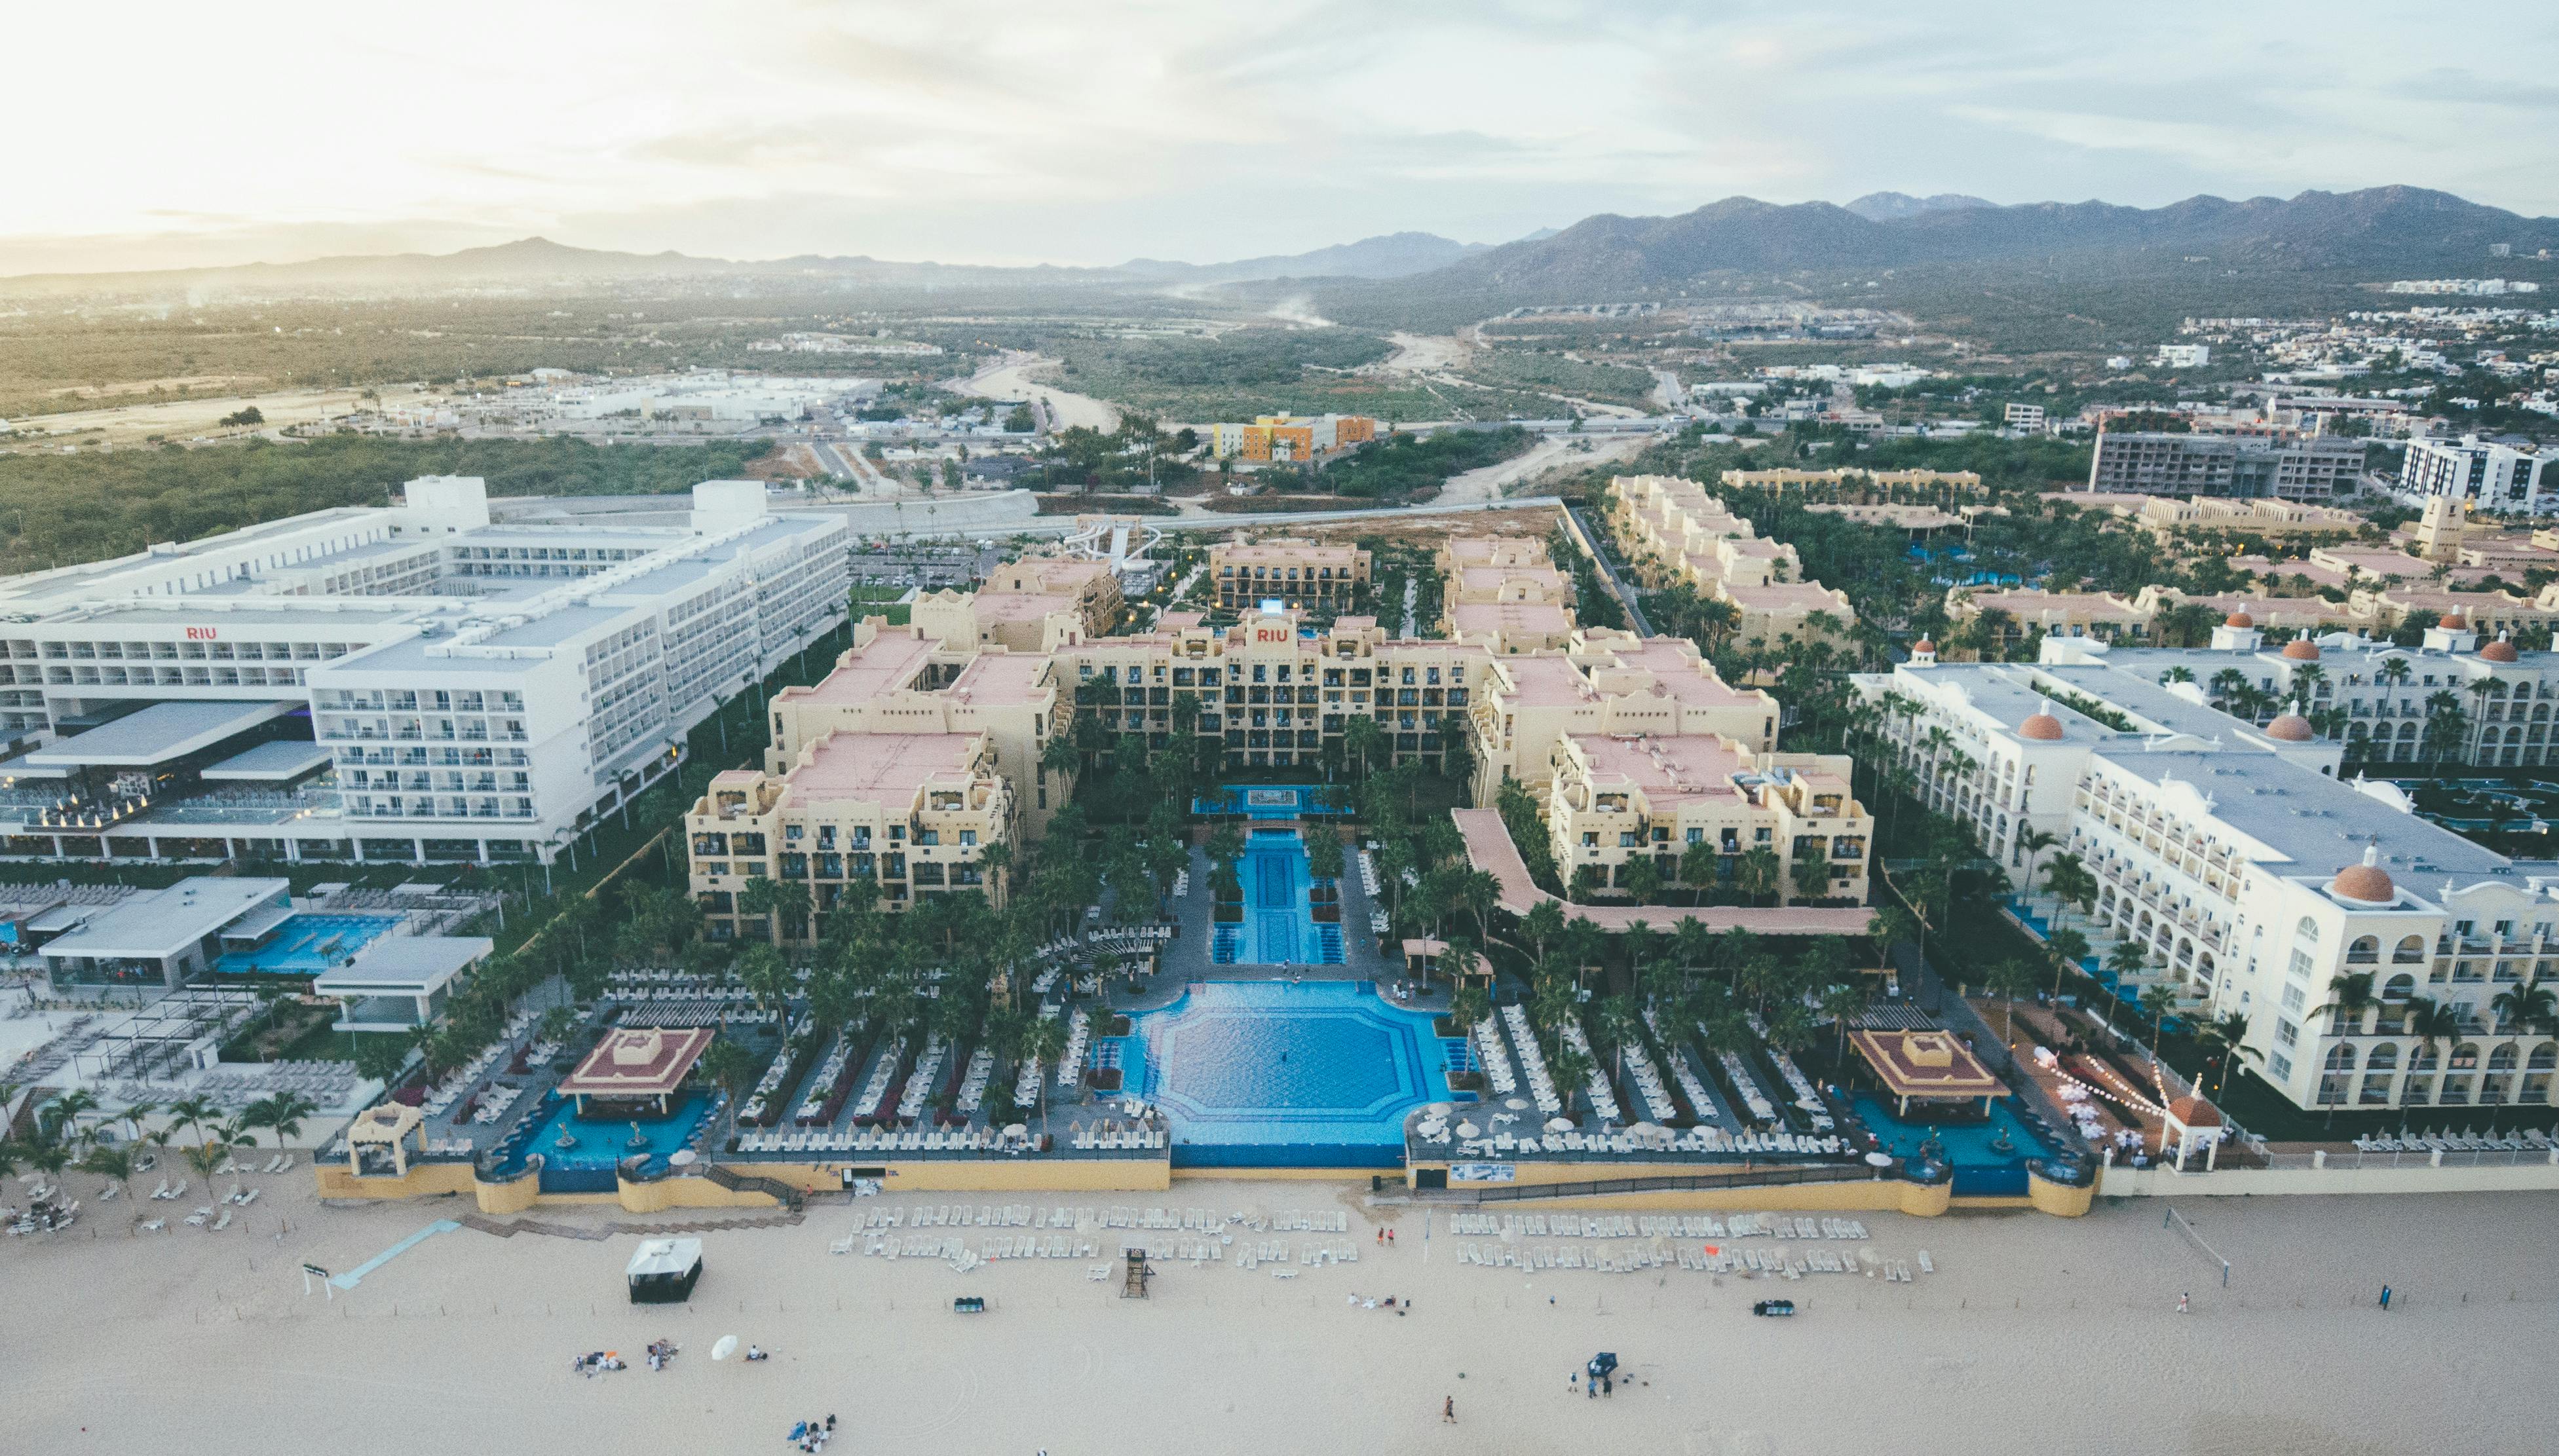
(2379, 228)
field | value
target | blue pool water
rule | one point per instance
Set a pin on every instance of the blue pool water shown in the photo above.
(308, 943)
(1278, 928)
(1264, 1073)
(602, 1143)
(1980, 1169)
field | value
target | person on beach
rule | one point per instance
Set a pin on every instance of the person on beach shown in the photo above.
(1389, 1239)
(1449, 1411)
(2181, 1305)
(2386, 1296)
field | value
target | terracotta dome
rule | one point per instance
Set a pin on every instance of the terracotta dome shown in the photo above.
(1923, 644)
(2500, 651)
(2366, 883)
(2239, 618)
(2042, 726)
(2194, 1111)
(2302, 650)
(2292, 728)
(2455, 622)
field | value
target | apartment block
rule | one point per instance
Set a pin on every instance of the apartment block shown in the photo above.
(2509, 475)
(1614, 801)
(406, 684)
(1324, 578)
(1287, 437)
(1674, 530)
(2251, 875)
(2156, 463)
(1503, 592)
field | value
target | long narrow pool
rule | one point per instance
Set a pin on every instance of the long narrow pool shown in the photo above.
(1279, 927)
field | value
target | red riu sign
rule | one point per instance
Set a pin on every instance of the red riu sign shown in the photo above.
(203, 634)
(1270, 634)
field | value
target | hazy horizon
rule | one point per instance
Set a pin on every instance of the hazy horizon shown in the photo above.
(1203, 132)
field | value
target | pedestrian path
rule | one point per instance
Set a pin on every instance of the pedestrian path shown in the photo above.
(356, 1275)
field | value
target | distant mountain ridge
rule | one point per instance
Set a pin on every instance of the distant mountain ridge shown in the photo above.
(2382, 228)
(1884, 207)
(2386, 228)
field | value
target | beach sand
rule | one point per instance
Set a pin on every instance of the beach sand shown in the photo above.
(2037, 1334)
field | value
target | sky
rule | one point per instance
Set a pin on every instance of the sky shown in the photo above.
(1092, 131)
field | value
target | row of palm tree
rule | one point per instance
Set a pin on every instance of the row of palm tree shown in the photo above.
(58, 1137)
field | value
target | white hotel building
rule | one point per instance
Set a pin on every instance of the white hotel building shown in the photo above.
(390, 684)
(2249, 871)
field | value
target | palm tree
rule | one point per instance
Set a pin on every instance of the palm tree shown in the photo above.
(63, 1111)
(1757, 873)
(766, 976)
(730, 1064)
(208, 1156)
(2348, 999)
(761, 896)
(2225, 1039)
(2034, 842)
(2531, 1005)
(283, 1113)
(112, 1163)
(1044, 1040)
(2008, 979)
(2065, 948)
(1840, 1004)
(2157, 1001)
(2431, 1021)
(791, 903)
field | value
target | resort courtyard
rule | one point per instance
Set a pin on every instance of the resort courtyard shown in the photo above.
(2032, 1335)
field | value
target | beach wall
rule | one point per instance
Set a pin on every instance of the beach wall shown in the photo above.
(980, 1175)
(337, 1180)
(1865, 1194)
(2164, 1182)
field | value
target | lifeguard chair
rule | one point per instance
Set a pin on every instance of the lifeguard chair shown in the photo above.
(1134, 1286)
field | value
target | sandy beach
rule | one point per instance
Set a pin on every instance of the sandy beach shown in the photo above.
(2037, 1334)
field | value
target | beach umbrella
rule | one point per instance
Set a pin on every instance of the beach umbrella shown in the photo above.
(1466, 1129)
(726, 1347)
(1515, 1103)
(1018, 1129)
(1558, 1124)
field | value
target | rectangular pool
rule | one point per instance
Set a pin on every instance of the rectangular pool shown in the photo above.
(307, 944)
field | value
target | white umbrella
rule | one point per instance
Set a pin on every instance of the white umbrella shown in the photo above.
(726, 1347)
(1558, 1124)
(682, 1157)
(1466, 1129)
(1515, 1103)
(1880, 1160)
(1018, 1129)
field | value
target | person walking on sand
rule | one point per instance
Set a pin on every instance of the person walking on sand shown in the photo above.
(2386, 1296)
(1448, 1411)
(2181, 1305)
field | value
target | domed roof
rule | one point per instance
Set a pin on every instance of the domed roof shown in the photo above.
(2239, 618)
(2290, 728)
(2302, 650)
(2194, 1111)
(2453, 621)
(1923, 644)
(2042, 726)
(2368, 883)
(2500, 651)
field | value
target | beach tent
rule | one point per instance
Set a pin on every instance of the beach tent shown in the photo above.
(665, 1271)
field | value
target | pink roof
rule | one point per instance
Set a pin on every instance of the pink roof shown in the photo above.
(890, 661)
(1489, 849)
(1787, 596)
(1545, 682)
(1670, 769)
(1483, 616)
(1024, 606)
(1002, 678)
(880, 768)
(1491, 578)
(1676, 675)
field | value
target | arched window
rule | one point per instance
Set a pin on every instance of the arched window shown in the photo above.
(2384, 1057)
(2365, 951)
(2400, 987)
(2341, 1058)
(2410, 951)
(2426, 1058)
(2465, 1056)
(2544, 1057)
(2307, 930)
(2502, 1058)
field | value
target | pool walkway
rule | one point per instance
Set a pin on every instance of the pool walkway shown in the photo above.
(1187, 959)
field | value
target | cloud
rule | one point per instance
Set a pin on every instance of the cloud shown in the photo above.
(973, 130)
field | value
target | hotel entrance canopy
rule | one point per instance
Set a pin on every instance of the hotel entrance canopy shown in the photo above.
(156, 735)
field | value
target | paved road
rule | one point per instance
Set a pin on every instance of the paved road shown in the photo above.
(1608, 573)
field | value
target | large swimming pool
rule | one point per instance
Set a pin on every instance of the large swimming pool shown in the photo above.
(579, 1154)
(1265, 1074)
(1982, 1168)
(307, 944)
(1279, 927)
